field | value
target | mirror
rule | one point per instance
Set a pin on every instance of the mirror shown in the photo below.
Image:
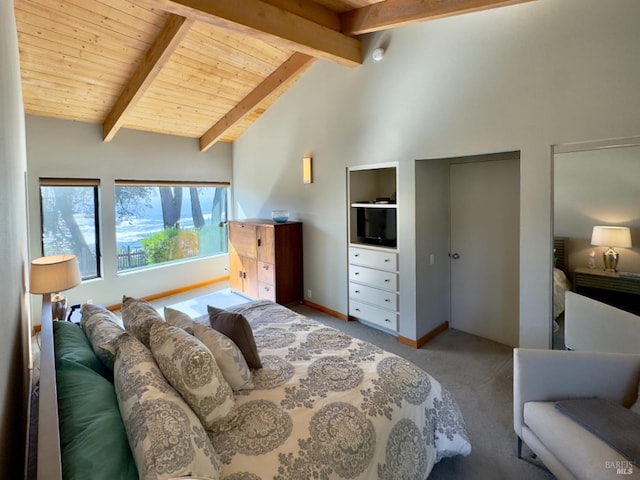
(594, 184)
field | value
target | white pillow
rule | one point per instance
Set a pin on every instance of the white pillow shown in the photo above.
(191, 369)
(102, 329)
(166, 438)
(137, 316)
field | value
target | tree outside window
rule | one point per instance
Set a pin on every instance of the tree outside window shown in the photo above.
(70, 222)
(160, 223)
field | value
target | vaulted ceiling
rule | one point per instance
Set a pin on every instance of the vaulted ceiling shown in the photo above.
(203, 69)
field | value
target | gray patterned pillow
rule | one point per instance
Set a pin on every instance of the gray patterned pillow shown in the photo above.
(178, 319)
(191, 369)
(102, 329)
(138, 315)
(232, 364)
(228, 356)
(165, 436)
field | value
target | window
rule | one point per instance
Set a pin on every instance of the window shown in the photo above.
(158, 223)
(70, 221)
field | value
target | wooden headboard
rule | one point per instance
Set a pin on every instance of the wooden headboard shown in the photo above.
(560, 252)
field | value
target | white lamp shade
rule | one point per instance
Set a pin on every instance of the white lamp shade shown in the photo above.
(54, 273)
(611, 237)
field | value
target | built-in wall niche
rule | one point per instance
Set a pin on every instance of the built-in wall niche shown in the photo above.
(597, 184)
(372, 193)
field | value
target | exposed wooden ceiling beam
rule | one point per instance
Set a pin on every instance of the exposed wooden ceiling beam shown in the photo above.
(297, 63)
(394, 13)
(273, 24)
(174, 30)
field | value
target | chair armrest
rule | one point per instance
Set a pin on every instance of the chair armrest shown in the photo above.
(549, 375)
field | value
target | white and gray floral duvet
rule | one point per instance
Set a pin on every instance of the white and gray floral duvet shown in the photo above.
(329, 406)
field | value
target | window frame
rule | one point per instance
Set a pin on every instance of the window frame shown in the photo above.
(70, 183)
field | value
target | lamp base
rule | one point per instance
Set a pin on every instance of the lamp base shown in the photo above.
(610, 258)
(58, 306)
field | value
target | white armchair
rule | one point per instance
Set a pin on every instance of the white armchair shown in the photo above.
(541, 377)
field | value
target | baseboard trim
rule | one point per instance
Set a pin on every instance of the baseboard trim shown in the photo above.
(425, 338)
(326, 310)
(176, 291)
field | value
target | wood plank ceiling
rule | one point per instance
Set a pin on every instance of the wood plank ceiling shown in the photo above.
(204, 69)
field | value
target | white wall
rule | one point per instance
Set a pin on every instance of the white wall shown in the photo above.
(519, 78)
(65, 149)
(14, 321)
(597, 187)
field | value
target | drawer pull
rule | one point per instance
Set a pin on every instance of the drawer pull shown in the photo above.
(386, 260)
(357, 255)
(387, 280)
(357, 291)
(265, 268)
(266, 289)
(357, 309)
(356, 273)
(387, 320)
(387, 300)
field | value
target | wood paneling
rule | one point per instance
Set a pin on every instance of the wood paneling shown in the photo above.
(139, 64)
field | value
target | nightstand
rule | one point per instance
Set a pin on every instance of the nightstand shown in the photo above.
(612, 288)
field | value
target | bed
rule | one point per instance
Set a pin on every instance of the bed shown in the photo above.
(326, 405)
(561, 283)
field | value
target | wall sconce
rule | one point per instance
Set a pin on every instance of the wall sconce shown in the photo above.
(307, 174)
(54, 274)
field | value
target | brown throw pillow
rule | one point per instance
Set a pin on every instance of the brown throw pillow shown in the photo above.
(237, 328)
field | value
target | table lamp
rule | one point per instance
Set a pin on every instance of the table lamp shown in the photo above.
(53, 274)
(611, 237)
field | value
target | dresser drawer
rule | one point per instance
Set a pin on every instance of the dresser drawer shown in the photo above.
(373, 258)
(266, 292)
(266, 273)
(375, 315)
(375, 296)
(375, 278)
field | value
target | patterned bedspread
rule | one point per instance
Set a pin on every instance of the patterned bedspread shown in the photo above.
(330, 406)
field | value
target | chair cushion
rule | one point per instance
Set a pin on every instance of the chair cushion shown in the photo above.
(581, 452)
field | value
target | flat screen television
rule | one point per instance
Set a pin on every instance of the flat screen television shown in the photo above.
(377, 226)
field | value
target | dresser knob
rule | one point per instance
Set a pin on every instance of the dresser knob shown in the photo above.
(387, 280)
(387, 300)
(387, 320)
(386, 260)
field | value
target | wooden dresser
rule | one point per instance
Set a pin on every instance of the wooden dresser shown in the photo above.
(265, 259)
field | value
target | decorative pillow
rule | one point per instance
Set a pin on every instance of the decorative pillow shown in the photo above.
(191, 369)
(138, 315)
(102, 329)
(237, 328)
(166, 437)
(228, 356)
(72, 345)
(178, 319)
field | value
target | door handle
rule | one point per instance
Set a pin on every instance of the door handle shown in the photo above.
(455, 256)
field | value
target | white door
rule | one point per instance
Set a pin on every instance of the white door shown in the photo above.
(484, 255)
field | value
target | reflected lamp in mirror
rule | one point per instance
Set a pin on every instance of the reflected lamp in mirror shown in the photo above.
(51, 275)
(607, 236)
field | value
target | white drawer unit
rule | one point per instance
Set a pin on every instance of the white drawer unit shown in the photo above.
(375, 278)
(377, 316)
(373, 287)
(373, 258)
(374, 296)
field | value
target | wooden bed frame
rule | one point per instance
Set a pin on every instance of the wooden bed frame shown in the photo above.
(49, 463)
(561, 247)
